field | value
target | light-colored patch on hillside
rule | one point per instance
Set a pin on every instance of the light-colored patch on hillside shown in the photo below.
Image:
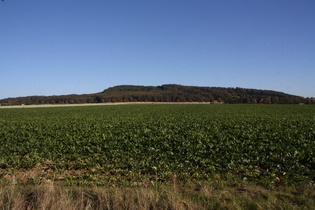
(99, 104)
(58, 105)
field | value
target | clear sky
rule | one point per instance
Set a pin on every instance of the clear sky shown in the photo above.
(54, 47)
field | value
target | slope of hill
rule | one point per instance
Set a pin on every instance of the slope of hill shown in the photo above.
(165, 93)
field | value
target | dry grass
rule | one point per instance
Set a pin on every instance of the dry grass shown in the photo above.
(191, 196)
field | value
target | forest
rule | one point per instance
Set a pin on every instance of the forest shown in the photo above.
(167, 93)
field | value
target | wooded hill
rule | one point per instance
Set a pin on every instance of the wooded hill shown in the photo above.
(166, 93)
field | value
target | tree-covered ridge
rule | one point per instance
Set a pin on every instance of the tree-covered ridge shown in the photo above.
(167, 93)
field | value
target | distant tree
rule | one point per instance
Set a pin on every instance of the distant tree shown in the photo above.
(267, 100)
(98, 99)
(234, 99)
(274, 100)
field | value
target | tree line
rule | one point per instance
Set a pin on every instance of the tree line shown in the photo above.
(167, 93)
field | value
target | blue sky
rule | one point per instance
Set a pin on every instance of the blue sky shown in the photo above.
(74, 46)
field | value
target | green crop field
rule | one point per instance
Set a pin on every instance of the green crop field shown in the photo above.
(136, 144)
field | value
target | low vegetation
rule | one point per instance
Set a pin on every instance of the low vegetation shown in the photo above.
(183, 156)
(189, 196)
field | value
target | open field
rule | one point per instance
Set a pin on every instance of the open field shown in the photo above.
(160, 145)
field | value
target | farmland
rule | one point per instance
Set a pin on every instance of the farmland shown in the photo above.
(139, 144)
(158, 156)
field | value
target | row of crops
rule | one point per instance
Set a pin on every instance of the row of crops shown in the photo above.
(261, 143)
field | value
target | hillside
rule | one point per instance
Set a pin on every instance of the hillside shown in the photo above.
(165, 93)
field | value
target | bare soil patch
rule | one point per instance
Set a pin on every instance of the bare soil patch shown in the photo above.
(99, 104)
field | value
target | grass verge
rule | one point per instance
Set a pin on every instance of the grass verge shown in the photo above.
(162, 196)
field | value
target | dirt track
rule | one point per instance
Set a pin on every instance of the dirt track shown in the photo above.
(57, 105)
(97, 104)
